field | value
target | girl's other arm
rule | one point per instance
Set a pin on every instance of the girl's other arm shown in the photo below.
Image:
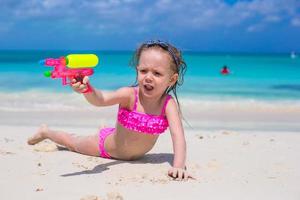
(179, 144)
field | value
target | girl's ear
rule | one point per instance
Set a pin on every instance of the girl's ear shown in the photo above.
(173, 79)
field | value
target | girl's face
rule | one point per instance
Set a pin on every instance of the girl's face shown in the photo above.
(154, 72)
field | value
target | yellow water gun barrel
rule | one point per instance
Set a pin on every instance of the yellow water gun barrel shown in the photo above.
(77, 61)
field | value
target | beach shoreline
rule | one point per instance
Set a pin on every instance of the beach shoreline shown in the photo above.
(67, 109)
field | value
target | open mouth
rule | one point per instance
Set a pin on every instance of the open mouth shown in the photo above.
(148, 87)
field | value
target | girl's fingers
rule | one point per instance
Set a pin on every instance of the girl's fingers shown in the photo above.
(180, 174)
(186, 176)
(85, 80)
(76, 85)
(192, 177)
(170, 172)
(174, 173)
(82, 87)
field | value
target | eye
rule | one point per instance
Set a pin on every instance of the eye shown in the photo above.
(142, 71)
(157, 74)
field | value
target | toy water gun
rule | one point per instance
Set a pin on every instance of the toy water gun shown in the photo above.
(73, 66)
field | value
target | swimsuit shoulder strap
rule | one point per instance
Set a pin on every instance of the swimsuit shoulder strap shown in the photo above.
(135, 98)
(165, 105)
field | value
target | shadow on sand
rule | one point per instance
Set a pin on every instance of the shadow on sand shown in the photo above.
(156, 158)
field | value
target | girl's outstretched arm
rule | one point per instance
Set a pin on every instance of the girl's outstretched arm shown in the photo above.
(178, 170)
(100, 98)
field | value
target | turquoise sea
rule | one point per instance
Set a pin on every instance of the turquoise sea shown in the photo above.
(254, 76)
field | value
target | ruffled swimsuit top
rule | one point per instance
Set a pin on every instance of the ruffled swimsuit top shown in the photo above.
(142, 122)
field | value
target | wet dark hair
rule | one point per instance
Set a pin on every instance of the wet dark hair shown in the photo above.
(177, 63)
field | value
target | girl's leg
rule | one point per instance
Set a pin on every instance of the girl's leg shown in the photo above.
(87, 145)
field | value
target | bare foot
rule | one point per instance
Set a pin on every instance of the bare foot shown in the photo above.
(38, 136)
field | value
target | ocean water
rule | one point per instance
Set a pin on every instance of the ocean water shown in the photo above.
(262, 91)
(253, 76)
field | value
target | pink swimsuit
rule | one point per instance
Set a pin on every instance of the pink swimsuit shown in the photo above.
(142, 122)
(136, 121)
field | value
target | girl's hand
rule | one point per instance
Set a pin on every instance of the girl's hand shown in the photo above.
(80, 86)
(179, 174)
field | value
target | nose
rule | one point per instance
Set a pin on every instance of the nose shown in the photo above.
(148, 77)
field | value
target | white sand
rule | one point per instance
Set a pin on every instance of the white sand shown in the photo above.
(237, 150)
(228, 165)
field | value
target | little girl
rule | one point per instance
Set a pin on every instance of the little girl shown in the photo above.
(145, 111)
